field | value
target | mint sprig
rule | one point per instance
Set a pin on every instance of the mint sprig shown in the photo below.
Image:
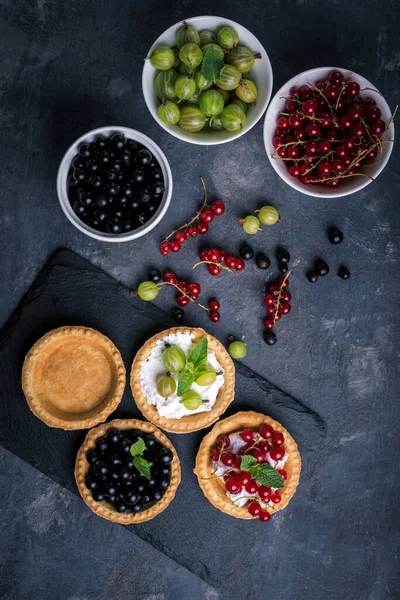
(139, 462)
(196, 363)
(261, 472)
(211, 65)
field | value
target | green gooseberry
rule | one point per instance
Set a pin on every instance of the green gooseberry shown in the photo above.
(211, 103)
(208, 377)
(192, 119)
(233, 118)
(187, 34)
(240, 103)
(228, 37)
(216, 47)
(191, 55)
(251, 224)
(246, 91)
(162, 58)
(242, 58)
(191, 400)
(166, 386)
(169, 112)
(147, 291)
(215, 123)
(237, 349)
(229, 78)
(184, 70)
(185, 87)
(206, 37)
(268, 215)
(195, 98)
(174, 359)
(201, 82)
(164, 84)
(225, 96)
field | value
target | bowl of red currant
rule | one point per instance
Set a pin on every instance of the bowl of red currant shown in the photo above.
(114, 184)
(328, 132)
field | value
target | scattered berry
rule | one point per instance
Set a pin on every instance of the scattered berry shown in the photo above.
(282, 255)
(335, 236)
(154, 275)
(246, 252)
(269, 337)
(262, 261)
(343, 272)
(214, 304)
(214, 316)
(321, 268)
(312, 276)
(177, 314)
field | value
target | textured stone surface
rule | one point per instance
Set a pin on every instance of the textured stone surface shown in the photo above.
(68, 67)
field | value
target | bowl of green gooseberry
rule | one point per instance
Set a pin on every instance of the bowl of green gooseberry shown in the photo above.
(207, 80)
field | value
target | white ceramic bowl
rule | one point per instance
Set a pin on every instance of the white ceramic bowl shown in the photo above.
(261, 74)
(351, 184)
(131, 134)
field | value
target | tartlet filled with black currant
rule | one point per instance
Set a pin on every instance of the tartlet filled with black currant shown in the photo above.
(127, 471)
(115, 184)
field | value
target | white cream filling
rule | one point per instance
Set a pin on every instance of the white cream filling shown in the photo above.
(153, 366)
(236, 444)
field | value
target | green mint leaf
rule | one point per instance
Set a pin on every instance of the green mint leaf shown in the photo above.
(142, 466)
(198, 354)
(266, 475)
(191, 367)
(185, 382)
(247, 462)
(138, 447)
(211, 65)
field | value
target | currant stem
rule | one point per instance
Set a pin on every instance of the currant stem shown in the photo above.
(210, 262)
(195, 218)
(278, 300)
(183, 293)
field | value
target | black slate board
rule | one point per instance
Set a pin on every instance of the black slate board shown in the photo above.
(72, 291)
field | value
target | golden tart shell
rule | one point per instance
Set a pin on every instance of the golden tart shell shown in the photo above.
(106, 510)
(214, 489)
(190, 422)
(73, 378)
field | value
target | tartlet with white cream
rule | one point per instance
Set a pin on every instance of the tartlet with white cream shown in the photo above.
(182, 379)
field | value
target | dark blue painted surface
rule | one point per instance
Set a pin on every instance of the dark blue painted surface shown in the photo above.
(68, 67)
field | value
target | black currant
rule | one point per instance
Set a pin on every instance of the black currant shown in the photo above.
(343, 272)
(114, 226)
(282, 255)
(321, 268)
(262, 261)
(78, 175)
(246, 251)
(98, 496)
(118, 140)
(312, 276)
(283, 267)
(177, 314)
(144, 157)
(269, 337)
(335, 236)
(84, 150)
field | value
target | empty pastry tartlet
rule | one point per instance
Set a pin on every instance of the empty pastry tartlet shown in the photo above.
(117, 488)
(191, 352)
(270, 455)
(73, 378)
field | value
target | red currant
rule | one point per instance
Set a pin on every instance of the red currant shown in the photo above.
(214, 269)
(345, 122)
(264, 493)
(290, 107)
(223, 441)
(164, 248)
(357, 130)
(325, 167)
(275, 498)
(207, 215)
(264, 516)
(372, 112)
(232, 485)
(215, 455)
(170, 277)
(258, 454)
(203, 255)
(247, 435)
(278, 439)
(294, 170)
(336, 77)
(230, 262)
(309, 108)
(214, 304)
(285, 308)
(214, 316)
(312, 148)
(244, 477)
(276, 453)
(304, 92)
(352, 89)
(338, 165)
(174, 246)
(214, 255)
(194, 288)
(193, 231)
(228, 459)
(282, 473)
(293, 152)
(254, 509)
(283, 123)
(240, 264)
(268, 324)
(283, 281)
(180, 237)
(326, 120)
(182, 300)
(372, 154)
(300, 133)
(296, 121)
(355, 113)
(218, 207)
(376, 127)
(202, 228)
(286, 296)
(349, 142)
(251, 487)
(313, 129)
(332, 91)
(183, 285)
(341, 151)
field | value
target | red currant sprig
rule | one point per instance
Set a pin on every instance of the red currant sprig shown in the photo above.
(198, 225)
(218, 259)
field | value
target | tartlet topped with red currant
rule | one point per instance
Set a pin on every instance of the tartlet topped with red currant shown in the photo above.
(248, 466)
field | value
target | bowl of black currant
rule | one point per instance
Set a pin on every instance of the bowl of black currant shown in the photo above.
(114, 184)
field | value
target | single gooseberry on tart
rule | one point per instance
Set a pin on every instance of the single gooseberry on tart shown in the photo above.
(73, 378)
(248, 466)
(127, 471)
(182, 379)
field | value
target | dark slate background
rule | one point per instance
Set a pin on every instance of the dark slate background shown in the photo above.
(67, 67)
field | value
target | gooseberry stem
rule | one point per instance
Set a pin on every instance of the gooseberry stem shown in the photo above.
(197, 215)
(210, 262)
